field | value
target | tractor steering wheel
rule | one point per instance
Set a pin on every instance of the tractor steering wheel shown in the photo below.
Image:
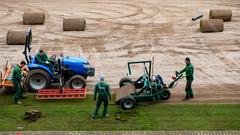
(53, 61)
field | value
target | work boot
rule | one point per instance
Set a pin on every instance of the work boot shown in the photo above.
(55, 73)
(94, 117)
(106, 115)
(18, 102)
(192, 96)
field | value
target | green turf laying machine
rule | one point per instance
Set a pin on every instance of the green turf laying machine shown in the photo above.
(147, 87)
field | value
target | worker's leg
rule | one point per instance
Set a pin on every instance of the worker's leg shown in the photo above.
(21, 91)
(190, 90)
(187, 91)
(17, 89)
(105, 110)
(98, 105)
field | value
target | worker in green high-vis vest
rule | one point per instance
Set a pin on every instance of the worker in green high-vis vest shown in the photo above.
(102, 95)
(16, 79)
(189, 70)
(42, 58)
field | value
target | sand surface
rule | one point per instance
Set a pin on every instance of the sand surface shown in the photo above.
(119, 31)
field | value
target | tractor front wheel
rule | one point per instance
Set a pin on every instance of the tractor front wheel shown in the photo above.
(125, 81)
(165, 95)
(128, 103)
(38, 79)
(77, 82)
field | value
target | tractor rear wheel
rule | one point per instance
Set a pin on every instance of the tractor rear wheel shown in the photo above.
(125, 81)
(77, 82)
(38, 79)
(128, 102)
(165, 95)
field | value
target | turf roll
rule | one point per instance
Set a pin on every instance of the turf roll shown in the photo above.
(33, 18)
(211, 25)
(226, 15)
(74, 24)
(16, 37)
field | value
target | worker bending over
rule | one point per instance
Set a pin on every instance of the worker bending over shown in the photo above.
(16, 79)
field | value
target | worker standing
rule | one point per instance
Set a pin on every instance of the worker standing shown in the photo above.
(16, 79)
(102, 89)
(189, 69)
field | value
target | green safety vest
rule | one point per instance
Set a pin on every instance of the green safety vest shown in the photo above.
(102, 89)
(189, 69)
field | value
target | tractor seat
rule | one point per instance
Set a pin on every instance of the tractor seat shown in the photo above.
(34, 60)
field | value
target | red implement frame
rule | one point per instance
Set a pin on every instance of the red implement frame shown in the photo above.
(65, 94)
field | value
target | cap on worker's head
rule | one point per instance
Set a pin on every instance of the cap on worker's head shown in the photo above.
(187, 59)
(23, 62)
(41, 50)
(101, 77)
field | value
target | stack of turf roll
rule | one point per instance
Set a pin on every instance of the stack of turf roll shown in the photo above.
(216, 20)
(33, 18)
(74, 24)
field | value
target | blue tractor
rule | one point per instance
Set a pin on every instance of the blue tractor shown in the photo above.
(74, 70)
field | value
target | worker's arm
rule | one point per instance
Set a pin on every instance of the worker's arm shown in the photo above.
(39, 60)
(95, 92)
(45, 56)
(183, 70)
(25, 68)
(108, 92)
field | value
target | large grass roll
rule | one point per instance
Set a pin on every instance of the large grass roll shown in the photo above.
(74, 24)
(16, 37)
(226, 15)
(211, 25)
(33, 18)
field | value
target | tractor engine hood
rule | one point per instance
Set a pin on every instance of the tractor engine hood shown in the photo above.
(79, 65)
(72, 59)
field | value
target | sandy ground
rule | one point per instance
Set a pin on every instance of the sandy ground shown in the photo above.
(119, 31)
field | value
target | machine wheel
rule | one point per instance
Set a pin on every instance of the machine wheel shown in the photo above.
(128, 103)
(124, 81)
(77, 82)
(38, 79)
(165, 95)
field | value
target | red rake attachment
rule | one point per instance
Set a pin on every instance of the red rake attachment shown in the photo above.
(65, 94)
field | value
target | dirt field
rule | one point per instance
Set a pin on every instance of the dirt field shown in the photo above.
(119, 31)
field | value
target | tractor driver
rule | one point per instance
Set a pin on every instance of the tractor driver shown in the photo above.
(42, 58)
(189, 69)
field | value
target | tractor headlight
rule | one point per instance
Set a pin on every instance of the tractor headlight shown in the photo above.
(86, 65)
